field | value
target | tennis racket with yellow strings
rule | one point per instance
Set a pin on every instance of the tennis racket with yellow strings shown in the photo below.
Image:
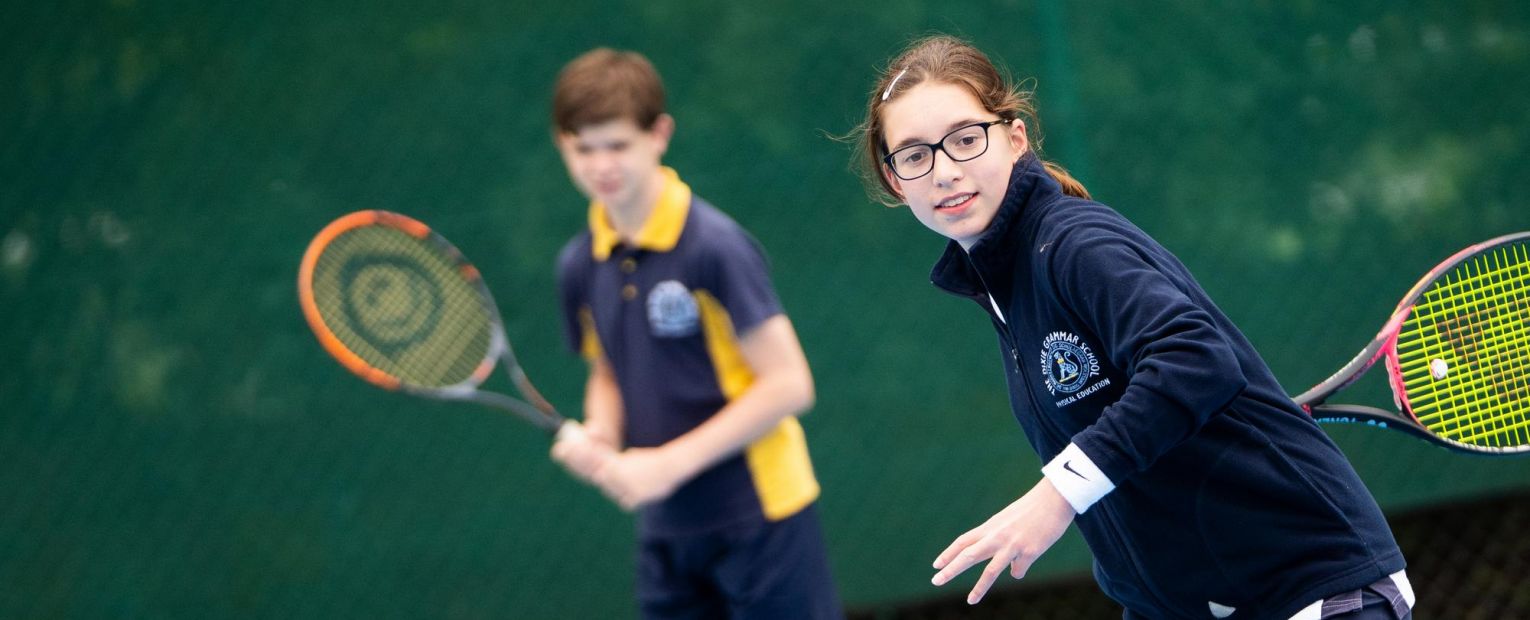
(399, 305)
(1457, 355)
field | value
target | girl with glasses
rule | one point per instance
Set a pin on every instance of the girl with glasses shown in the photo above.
(1202, 489)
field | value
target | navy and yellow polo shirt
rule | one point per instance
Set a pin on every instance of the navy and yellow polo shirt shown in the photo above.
(666, 311)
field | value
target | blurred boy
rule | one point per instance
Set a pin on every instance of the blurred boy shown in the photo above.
(696, 375)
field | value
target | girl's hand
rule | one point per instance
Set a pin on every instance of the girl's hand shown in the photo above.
(1016, 536)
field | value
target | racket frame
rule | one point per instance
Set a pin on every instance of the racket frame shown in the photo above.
(535, 409)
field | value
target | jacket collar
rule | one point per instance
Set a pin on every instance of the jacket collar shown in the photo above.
(958, 270)
(660, 232)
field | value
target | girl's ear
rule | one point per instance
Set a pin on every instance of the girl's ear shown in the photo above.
(1017, 137)
(893, 181)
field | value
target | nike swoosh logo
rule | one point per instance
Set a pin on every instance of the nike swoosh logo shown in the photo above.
(1068, 465)
(1044, 247)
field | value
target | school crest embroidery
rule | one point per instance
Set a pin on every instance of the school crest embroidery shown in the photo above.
(672, 310)
(1067, 365)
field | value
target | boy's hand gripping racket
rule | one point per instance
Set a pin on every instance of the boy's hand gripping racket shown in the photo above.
(1457, 352)
(398, 305)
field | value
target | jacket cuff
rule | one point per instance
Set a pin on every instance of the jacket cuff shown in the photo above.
(1077, 478)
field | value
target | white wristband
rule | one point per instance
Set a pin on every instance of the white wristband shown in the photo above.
(1077, 478)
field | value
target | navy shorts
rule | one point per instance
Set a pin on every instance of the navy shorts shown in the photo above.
(767, 570)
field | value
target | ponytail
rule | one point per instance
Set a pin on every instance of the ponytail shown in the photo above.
(1070, 185)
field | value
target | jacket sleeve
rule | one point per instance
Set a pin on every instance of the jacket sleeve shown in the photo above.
(1182, 369)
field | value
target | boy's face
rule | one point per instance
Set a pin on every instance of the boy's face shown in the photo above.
(616, 162)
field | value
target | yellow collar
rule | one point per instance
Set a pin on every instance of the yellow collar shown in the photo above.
(660, 232)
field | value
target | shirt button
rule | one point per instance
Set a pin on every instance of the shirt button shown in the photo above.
(629, 265)
(629, 292)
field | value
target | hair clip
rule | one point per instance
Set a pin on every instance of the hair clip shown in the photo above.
(890, 86)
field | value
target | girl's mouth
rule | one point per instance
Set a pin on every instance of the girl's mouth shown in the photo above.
(955, 204)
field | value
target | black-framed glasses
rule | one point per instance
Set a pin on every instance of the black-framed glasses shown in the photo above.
(962, 144)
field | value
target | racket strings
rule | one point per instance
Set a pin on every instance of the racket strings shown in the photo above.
(1475, 332)
(420, 285)
(1479, 342)
(402, 305)
(1464, 353)
(1474, 338)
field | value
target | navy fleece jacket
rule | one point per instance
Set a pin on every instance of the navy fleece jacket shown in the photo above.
(1201, 486)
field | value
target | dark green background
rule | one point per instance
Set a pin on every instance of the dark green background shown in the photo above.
(174, 444)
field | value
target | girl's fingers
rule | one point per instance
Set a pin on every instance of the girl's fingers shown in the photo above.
(961, 543)
(990, 574)
(960, 563)
(945, 556)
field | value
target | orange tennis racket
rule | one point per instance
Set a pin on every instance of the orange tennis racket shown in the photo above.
(400, 306)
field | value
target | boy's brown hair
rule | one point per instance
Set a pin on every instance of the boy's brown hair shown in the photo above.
(603, 85)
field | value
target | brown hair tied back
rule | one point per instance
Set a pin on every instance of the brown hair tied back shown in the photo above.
(949, 60)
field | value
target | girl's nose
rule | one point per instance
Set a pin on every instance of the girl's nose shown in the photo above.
(946, 170)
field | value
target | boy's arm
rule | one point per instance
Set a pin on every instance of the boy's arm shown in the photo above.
(603, 413)
(783, 386)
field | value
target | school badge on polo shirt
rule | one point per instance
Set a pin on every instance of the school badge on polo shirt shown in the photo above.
(672, 311)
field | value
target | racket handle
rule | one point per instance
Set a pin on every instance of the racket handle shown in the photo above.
(569, 429)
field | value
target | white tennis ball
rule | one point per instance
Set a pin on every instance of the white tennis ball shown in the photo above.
(1438, 368)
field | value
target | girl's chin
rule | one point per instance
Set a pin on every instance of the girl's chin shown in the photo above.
(962, 230)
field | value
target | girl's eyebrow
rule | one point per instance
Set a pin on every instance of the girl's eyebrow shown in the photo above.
(911, 140)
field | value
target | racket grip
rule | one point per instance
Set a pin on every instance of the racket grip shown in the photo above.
(567, 430)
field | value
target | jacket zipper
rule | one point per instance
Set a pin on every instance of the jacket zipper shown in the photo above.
(1014, 354)
(993, 302)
